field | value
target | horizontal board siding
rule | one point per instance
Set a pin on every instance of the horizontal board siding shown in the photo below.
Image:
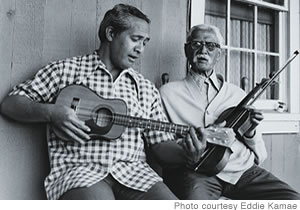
(36, 32)
(284, 157)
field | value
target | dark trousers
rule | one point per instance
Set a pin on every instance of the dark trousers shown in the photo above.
(255, 184)
(110, 189)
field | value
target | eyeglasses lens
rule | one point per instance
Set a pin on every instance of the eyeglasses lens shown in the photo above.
(211, 46)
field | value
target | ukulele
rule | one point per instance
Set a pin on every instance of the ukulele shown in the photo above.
(216, 157)
(108, 119)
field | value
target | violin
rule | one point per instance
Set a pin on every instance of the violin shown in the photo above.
(215, 157)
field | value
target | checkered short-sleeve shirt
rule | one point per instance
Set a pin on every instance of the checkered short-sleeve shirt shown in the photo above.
(82, 165)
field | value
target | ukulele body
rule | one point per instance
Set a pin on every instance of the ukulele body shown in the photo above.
(216, 157)
(95, 111)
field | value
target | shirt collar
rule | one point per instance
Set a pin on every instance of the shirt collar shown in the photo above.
(97, 61)
(215, 81)
(130, 71)
(201, 78)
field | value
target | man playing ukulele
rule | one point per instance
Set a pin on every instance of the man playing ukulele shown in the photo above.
(82, 168)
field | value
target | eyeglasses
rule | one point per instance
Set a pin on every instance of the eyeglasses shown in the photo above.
(211, 46)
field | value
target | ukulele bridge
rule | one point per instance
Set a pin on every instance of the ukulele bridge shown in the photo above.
(75, 103)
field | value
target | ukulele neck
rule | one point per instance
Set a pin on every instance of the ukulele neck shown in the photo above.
(129, 121)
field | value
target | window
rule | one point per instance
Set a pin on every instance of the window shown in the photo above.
(257, 36)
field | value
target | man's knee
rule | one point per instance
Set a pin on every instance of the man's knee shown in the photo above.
(160, 191)
(98, 191)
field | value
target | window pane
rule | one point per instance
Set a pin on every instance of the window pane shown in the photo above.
(278, 2)
(215, 14)
(218, 22)
(221, 65)
(241, 18)
(241, 69)
(216, 7)
(266, 65)
(267, 30)
(241, 34)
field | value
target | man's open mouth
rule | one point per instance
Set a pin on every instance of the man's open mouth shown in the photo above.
(132, 58)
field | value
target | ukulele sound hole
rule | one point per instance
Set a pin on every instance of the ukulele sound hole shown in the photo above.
(103, 117)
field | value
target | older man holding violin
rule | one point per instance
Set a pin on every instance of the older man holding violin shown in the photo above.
(199, 100)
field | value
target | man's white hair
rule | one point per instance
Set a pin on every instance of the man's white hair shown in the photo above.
(206, 27)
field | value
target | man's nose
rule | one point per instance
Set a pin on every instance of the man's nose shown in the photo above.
(139, 48)
(203, 49)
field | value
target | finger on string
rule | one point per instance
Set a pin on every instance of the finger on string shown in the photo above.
(255, 122)
(253, 110)
(250, 107)
(202, 140)
(183, 143)
(195, 136)
(221, 124)
(186, 148)
(189, 144)
(256, 117)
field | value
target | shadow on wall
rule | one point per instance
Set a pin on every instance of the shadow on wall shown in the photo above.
(24, 162)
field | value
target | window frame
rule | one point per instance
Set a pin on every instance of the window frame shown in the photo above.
(287, 122)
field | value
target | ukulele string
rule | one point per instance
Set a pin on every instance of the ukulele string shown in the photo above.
(130, 121)
(135, 121)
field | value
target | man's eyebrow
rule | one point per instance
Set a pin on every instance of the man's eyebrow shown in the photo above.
(147, 39)
(140, 36)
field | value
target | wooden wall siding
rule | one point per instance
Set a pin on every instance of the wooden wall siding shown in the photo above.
(284, 157)
(23, 151)
(36, 32)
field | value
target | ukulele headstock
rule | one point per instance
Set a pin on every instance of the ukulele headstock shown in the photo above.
(221, 136)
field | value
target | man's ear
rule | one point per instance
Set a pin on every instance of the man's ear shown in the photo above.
(186, 50)
(109, 33)
(219, 54)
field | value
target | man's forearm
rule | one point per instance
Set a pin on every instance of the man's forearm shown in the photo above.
(23, 109)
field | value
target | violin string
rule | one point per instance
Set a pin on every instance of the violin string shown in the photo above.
(238, 118)
(264, 86)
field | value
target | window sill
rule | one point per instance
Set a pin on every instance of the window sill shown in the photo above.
(280, 123)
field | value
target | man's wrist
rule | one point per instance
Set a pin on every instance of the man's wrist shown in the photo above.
(49, 109)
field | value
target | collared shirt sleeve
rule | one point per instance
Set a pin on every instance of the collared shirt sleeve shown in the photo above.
(157, 113)
(257, 145)
(43, 87)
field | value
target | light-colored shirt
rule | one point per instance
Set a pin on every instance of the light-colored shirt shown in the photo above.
(82, 165)
(186, 102)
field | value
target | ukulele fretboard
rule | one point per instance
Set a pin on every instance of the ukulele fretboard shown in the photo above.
(129, 121)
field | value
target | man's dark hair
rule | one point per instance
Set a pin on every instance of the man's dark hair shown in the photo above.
(118, 18)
